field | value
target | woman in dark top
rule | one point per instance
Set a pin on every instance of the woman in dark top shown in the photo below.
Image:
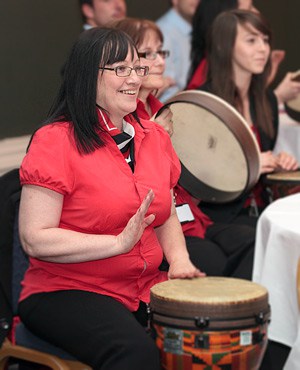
(205, 14)
(238, 69)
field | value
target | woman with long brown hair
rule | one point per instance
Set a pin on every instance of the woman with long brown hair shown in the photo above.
(238, 69)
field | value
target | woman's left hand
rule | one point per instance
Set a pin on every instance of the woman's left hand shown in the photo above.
(287, 162)
(184, 269)
(165, 120)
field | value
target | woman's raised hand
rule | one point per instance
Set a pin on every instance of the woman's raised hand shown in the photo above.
(136, 225)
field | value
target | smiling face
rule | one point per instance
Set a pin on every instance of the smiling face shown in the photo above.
(118, 95)
(251, 51)
(154, 80)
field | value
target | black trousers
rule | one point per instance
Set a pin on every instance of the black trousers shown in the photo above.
(226, 250)
(95, 329)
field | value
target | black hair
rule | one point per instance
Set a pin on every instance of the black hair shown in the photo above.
(76, 99)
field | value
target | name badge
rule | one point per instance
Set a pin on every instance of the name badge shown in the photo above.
(184, 213)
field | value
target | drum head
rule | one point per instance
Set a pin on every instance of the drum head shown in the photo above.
(211, 296)
(218, 151)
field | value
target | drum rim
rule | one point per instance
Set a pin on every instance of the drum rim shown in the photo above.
(233, 121)
(269, 178)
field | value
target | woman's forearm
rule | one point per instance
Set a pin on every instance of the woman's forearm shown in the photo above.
(40, 212)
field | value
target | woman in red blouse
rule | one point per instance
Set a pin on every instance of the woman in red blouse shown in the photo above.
(97, 212)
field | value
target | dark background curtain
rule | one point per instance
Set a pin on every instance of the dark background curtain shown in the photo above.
(36, 36)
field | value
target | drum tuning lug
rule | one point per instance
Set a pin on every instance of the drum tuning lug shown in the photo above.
(202, 322)
(260, 318)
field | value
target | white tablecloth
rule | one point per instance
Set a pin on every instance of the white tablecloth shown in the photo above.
(288, 139)
(277, 252)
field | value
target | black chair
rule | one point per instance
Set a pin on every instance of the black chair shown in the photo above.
(13, 263)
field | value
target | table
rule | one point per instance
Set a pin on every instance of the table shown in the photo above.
(277, 252)
(288, 139)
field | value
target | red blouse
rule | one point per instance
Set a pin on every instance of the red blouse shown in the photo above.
(101, 193)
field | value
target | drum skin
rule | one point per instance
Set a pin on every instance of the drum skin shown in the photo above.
(218, 152)
(281, 184)
(210, 323)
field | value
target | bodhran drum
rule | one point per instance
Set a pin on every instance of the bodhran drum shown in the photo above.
(281, 184)
(210, 323)
(218, 152)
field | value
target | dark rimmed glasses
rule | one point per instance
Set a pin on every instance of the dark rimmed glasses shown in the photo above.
(125, 71)
(151, 55)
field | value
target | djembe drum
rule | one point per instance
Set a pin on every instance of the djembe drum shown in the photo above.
(281, 184)
(210, 323)
(218, 152)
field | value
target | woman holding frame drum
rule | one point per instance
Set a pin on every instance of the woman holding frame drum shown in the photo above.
(238, 69)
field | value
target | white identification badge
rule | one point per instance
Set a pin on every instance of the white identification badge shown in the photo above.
(184, 213)
(245, 338)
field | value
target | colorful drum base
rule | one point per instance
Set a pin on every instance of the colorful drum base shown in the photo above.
(217, 350)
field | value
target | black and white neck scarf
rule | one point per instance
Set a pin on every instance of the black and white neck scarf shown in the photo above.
(123, 139)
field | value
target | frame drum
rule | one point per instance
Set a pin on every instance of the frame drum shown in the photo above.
(281, 184)
(210, 323)
(218, 152)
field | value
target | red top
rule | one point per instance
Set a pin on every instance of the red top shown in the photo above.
(199, 77)
(199, 225)
(101, 193)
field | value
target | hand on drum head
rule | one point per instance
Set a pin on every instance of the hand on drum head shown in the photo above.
(268, 162)
(136, 225)
(165, 120)
(184, 269)
(287, 162)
